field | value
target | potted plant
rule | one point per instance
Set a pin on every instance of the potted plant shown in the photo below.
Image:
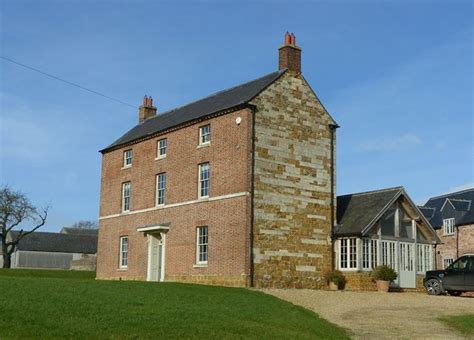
(383, 275)
(335, 279)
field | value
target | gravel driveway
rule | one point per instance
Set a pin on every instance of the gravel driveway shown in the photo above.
(373, 315)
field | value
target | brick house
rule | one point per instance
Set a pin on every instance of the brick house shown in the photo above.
(237, 188)
(452, 216)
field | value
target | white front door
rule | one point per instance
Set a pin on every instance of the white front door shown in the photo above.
(155, 257)
(407, 271)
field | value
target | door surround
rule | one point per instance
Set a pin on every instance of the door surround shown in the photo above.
(157, 239)
(156, 235)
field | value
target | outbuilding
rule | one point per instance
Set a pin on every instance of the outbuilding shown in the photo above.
(383, 227)
(55, 251)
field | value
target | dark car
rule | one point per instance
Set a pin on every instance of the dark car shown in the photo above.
(456, 279)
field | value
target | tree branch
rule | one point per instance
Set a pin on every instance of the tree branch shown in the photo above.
(16, 208)
(42, 220)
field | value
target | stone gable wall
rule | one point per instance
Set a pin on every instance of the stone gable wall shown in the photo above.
(292, 186)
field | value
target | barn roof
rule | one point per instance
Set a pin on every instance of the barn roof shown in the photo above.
(58, 243)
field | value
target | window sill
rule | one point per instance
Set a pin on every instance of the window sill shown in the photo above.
(126, 167)
(200, 265)
(449, 234)
(160, 205)
(122, 269)
(125, 212)
(203, 198)
(160, 157)
(203, 145)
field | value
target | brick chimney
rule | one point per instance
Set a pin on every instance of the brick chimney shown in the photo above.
(147, 110)
(290, 54)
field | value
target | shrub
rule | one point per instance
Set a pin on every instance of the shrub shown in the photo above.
(336, 277)
(384, 273)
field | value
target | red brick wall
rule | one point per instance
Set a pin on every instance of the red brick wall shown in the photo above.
(448, 248)
(229, 155)
(466, 239)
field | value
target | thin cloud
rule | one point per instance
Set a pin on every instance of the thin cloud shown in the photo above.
(461, 187)
(465, 186)
(396, 143)
(22, 137)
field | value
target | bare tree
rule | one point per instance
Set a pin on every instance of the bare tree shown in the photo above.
(85, 225)
(16, 208)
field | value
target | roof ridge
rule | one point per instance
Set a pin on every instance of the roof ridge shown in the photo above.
(279, 72)
(51, 232)
(451, 193)
(373, 191)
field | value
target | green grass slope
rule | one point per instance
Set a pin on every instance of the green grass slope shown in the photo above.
(463, 323)
(65, 304)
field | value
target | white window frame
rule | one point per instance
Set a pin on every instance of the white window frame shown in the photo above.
(127, 158)
(447, 261)
(205, 137)
(389, 254)
(202, 245)
(160, 189)
(348, 246)
(202, 180)
(123, 255)
(161, 145)
(126, 199)
(448, 226)
(424, 258)
(369, 250)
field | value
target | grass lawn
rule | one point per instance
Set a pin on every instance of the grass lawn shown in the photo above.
(67, 304)
(463, 323)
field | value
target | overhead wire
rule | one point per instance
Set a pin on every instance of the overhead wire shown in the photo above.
(65, 81)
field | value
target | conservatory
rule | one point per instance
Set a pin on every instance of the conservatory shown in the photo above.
(383, 227)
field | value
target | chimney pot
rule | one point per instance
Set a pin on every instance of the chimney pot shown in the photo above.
(147, 110)
(290, 54)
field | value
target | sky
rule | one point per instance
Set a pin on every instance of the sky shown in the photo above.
(397, 76)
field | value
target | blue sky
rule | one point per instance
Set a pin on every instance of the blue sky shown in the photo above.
(396, 75)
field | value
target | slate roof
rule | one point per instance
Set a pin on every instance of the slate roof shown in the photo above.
(462, 202)
(460, 205)
(58, 243)
(427, 212)
(356, 212)
(217, 102)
